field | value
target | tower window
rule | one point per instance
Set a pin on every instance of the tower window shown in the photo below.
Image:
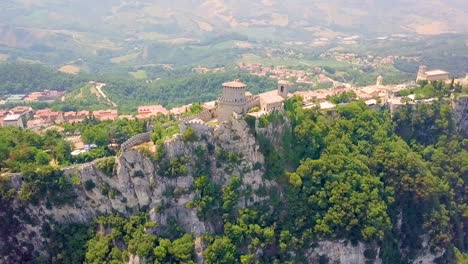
(282, 89)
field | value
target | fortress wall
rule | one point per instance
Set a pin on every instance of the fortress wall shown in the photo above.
(254, 102)
(205, 116)
(201, 128)
(136, 140)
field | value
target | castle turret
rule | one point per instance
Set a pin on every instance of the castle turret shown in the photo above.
(232, 100)
(283, 88)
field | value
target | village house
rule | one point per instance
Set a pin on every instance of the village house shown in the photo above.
(33, 96)
(49, 116)
(106, 115)
(15, 98)
(26, 112)
(13, 120)
(75, 117)
(320, 95)
(67, 116)
(46, 95)
(3, 114)
(151, 110)
(50, 95)
(82, 114)
(178, 111)
(37, 124)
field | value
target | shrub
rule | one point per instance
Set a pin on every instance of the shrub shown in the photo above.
(250, 122)
(190, 205)
(89, 185)
(189, 135)
(106, 165)
(323, 259)
(257, 166)
(105, 189)
(263, 122)
(370, 253)
(173, 168)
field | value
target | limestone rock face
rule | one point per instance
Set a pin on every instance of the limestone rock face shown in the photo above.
(139, 184)
(341, 252)
(460, 112)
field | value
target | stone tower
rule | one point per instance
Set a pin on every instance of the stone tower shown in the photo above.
(283, 88)
(379, 81)
(422, 73)
(232, 100)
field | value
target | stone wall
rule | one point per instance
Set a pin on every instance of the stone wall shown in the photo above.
(254, 102)
(136, 140)
(200, 127)
(205, 116)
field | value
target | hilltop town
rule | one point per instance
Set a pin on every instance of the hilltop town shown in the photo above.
(235, 99)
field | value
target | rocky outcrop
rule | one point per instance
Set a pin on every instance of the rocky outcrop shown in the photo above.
(460, 113)
(343, 252)
(138, 184)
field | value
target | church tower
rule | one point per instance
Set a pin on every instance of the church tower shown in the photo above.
(379, 81)
(283, 88)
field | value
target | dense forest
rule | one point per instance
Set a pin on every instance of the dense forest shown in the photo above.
(26, 78)
(356, 174)
(181, 90)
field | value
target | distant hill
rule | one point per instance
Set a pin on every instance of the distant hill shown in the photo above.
(186, 20)
(108, 32)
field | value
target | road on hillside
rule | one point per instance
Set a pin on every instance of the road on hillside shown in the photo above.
(99, 87)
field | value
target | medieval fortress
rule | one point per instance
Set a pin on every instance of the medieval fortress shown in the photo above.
(236, 99)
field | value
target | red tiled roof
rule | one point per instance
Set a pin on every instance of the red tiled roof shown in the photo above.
(154, 109)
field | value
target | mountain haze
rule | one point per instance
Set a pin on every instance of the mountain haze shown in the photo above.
(185, 20)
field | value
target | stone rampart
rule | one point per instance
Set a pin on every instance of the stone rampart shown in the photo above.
(200, 127)
(253, 102)
(136, 140)
(205, 116)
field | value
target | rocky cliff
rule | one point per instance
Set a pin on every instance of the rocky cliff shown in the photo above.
(141, 182)
(460, 112)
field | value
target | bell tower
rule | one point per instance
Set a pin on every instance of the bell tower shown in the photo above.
(379, 81)
(283, 88)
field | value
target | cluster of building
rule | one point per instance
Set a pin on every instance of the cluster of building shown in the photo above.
(282, 73)
(371, 95)
(365, 60)
(44, 96)
(26, 117)
(203, 70)
(235, 99)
